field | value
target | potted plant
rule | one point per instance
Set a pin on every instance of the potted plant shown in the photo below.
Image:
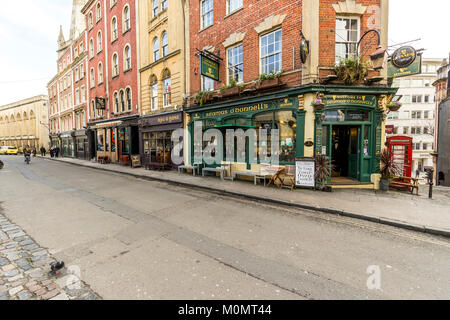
(269, 80)
(394, 106)
(323, 171)
(202, 97)
(388, 169)
(231, 90)
(318, 104)
(351, 70)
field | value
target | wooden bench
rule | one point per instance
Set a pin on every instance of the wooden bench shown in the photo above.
(186, 167)
(256, 176)
(215, 170)
(406, 182)
(103, 159)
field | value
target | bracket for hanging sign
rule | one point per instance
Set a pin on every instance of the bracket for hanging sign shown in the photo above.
(209, 64)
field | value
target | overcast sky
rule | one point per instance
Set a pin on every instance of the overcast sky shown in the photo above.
(29, 31)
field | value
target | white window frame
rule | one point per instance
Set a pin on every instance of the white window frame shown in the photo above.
(203, 15)
(230, 49)
(262, 57)
(155, 9)
(114, 29)
(115, 65)
(230, 10)
(99, 41)
(127, 59)
(126, 20)
(167, 95)
(100, 73)
(154, 96)
(155, 52)
(344, 41)
(129, 103)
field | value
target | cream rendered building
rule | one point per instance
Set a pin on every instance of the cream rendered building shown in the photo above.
(25, 123)
(163, 66)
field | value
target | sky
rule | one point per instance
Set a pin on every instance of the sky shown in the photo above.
(29, 31)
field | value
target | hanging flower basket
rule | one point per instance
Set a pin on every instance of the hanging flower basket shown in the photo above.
(318, 104)
(395, 106)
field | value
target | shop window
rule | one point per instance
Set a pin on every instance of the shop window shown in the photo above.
(286, 121)
(100, 140)
(124, 140)
(270, 54)
(107, 139)
(158, 145)
(264, 121)
(235, 59)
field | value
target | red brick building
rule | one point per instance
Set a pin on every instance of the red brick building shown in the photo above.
(68, 91)
(269, 64)
(113, 78)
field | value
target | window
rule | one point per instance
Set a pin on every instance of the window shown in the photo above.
(114, 29)
(233, 5)
(347, 36)
(425, 130)
(406, 130)
(207, 13)
(425, 146)
(154, 94)
(81, 48)
(82, 71)
(163, 5)
(122, 101)
(90, 20)
(155, 8)
(426, 98)
(167, 88)
(128, 99)
(91, 48)
(99, 12)
(416, 114)
(77, 75)
(207, 84)
(165, 44)
(155, 49)
(100, 73)
(77, 97)
(426, 114)
(127, 56)
(75, 52)
(92, 78)
(416, 99)
(235, 64)
(113, 3)
(271, 52)
(83, 95)
(126, 19)
(406, 99)
(115, 65)
(99, 42)
(116, 102)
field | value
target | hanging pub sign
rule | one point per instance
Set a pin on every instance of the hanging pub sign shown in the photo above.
(304, 50)
(100, 103)
(209, 68)
(414, 68)
(404, 57)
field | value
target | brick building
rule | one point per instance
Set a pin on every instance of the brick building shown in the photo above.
(67, 91)
(247, 72)
(113, 78)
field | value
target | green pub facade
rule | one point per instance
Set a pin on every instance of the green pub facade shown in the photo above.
(347, 127)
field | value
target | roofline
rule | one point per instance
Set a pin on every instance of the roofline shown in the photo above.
(87, 6)
(24, 102)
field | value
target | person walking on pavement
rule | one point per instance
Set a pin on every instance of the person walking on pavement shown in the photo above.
(52, 151)
(417, 173)
(34, 152)
(57, 152)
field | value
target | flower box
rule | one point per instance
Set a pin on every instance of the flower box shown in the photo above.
(394, 106)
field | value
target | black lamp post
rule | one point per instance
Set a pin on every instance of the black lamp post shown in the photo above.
(378, 56)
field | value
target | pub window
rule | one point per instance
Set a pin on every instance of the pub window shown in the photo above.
(107, 139)
(100, 140)
(286, 122)
(233, 5)
(271, 52)
(235, 58)
(347, 36)
(207, 13)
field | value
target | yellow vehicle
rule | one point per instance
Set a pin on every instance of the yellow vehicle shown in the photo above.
(12, 150)
(3, 149)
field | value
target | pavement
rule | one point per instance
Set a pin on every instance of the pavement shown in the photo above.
(394, 208)
(135, 238)
(24, 270)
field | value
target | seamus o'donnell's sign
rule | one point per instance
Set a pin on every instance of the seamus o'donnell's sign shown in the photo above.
(350, 100)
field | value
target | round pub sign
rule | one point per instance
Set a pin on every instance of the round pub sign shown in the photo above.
(404, 57)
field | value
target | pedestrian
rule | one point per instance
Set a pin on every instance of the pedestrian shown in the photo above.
(57, 152)
(52, 151)
(34, 152)
(417, 173)
(44, 151)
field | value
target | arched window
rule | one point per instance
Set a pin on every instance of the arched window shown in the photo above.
(122, 101)
(127, 57)
(126, 18)
(99, 11)
(128, 99)
(165, 44)
(93, 108)
(155, 8)
(90, 20)
(116, 102)
(99, 42)
(114, 34)
(154, 93)
(92, 78)
(115, 65)
(163, 5)
(91, 48)
(100, 73)
(167, 88)
(155, 49)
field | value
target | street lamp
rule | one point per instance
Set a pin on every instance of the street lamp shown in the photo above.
(378, 57)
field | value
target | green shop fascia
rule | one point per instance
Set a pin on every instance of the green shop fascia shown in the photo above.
(347, 129)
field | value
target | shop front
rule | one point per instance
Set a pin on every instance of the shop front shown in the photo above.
(68, 144)
(116, 141)
(257, 121)
(156, 139)
(82, 145)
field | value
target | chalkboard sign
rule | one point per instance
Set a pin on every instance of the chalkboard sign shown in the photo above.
(305, 169)
(136, 161)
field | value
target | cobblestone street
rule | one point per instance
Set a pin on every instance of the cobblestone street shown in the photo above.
(24, 268)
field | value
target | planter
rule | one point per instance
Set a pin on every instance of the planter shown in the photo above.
(394, 107)
(269, 83)
(384, 184)
(230, 91)
(318, 106)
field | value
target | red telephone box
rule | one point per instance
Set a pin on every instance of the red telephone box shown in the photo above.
(401, 149)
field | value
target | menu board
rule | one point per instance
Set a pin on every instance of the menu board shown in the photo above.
(136, 161)
(305, 170)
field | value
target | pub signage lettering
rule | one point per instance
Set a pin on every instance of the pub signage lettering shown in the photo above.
(209, 68)
(164, 119)
(404, 57)
(414, 68)
(100, 103)
(367, 101)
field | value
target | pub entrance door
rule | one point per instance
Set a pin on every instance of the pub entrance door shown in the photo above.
(346, 151)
